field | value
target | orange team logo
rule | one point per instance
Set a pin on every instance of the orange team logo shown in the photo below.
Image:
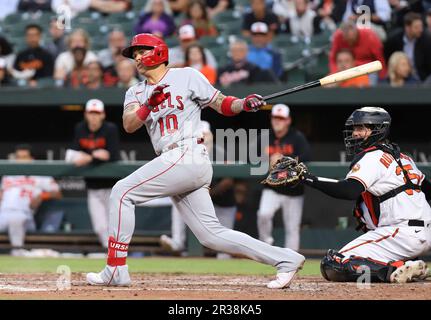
(412, 176)
(356, 168)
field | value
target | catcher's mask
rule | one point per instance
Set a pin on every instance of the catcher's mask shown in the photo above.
(158, 55)
(375, 118)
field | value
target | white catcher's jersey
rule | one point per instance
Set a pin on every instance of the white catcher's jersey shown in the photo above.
(178, 117)
(379, 173)
(19, 190)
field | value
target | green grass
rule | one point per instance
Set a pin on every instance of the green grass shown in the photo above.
(149, 265)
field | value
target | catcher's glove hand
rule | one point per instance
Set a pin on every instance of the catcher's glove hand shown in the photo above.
(286, 171)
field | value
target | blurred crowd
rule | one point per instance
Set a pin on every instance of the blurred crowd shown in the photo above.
(205, 35)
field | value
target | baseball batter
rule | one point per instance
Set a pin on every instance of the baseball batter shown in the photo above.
(169, 104)
(392, 206)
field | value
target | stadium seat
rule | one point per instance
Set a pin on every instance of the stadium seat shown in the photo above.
(292, 53)
(317, 67)
(138, 5)
(211, 42)
(226, 17)
(320, 40)
(220, 54)
(46, 82)
(172, 42)
(233, 27)
(12, 19)
(296, 76)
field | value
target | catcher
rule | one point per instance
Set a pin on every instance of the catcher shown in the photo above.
(391, 196)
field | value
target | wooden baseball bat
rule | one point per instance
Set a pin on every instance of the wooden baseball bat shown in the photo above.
(333, 78)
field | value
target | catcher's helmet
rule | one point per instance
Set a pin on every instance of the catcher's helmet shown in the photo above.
(157, 56)
(375, 118)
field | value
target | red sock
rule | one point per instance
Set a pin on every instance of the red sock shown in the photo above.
(113, 247)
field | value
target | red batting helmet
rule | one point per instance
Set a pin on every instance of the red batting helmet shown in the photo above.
(157, 56)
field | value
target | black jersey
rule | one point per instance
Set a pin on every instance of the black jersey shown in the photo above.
(107, 137)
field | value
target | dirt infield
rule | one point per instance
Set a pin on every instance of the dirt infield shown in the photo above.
(191, 287)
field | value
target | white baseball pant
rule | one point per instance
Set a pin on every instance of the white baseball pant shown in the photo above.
(98, 207)
(185, 173)
(226, 216)
(270, 202)
(392, 243)
(16, 223)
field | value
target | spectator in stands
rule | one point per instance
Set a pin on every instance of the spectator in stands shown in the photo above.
(20, 197)
(64, 64)
(6, 52)
(303, 21)
(78, 77)
(34, 5)
(197, 16)
(156, 19)
(187, 36)
(57, 42)
(178, 6)
(346, 60)
(215, 7)
(35, 58)
(195, 58)
(4, 76)
(283, 141)
(7, 8)
(414, 42)
(94, 76)
(117, 41)
(330, 12)
(399, 9)
(364, 44)
(283, 9)
(400, 72)
(260, 13)
(126, 71)
(261, 52)
(96, 141)
(111, 6)
(239, 70)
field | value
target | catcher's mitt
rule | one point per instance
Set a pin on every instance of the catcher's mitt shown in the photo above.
(286, 171)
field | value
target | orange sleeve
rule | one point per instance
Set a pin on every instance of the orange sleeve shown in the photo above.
(210, 74)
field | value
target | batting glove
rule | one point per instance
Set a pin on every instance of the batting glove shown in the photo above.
(158, 96)
(252, 103)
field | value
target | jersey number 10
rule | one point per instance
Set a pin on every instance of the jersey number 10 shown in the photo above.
(171, 124)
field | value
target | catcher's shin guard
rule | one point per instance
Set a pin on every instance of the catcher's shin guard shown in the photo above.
(334, 268)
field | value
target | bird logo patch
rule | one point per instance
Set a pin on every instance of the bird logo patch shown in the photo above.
(356, 168)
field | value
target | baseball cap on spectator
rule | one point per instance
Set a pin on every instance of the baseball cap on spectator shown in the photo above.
(280, 111)
(259, 28)
(94, 105)
(187, 32)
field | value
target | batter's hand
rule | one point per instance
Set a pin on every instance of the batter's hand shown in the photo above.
(253, 102)
(158, 96)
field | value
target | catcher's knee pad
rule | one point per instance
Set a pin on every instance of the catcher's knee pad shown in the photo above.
(334, 268)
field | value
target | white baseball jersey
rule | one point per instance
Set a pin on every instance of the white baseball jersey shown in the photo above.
(379, 173)
(178, 117)
(19, 190)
